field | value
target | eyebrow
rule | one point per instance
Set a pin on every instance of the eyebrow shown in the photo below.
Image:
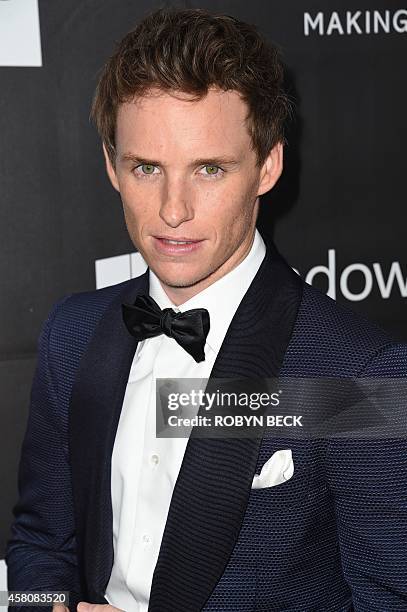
(215, 161)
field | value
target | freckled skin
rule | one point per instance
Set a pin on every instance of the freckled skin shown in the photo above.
(175, 197)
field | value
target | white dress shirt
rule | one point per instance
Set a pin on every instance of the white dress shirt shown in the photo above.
(144, 467)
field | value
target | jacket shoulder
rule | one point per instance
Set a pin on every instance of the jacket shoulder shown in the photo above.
(70, 325)
(330, 339)
(79, 313)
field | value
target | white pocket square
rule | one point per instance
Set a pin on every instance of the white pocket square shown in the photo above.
(278, 469)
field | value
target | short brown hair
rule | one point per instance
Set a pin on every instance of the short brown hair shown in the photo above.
(190, 50)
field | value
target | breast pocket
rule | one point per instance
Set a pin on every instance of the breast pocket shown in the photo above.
(282, 473)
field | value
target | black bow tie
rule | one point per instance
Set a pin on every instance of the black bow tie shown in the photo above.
(145, 319)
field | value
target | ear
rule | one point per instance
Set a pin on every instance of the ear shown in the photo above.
(111, 172)
(271, 169)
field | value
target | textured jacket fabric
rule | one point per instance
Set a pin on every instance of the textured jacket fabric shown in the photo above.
(332, 538)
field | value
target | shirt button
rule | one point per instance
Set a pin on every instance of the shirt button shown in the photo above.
(146, 539)
(154, 459)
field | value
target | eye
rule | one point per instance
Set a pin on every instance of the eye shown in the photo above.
(145, 169)
(212, 170)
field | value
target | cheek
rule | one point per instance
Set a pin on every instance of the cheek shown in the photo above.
(137, 206)
(223, 198)
(234, 210)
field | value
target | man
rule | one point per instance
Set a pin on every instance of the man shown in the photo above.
(191, 111)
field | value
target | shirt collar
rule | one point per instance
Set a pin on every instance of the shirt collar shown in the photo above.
(222, 298)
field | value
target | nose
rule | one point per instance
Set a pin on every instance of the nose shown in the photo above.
(176, 205)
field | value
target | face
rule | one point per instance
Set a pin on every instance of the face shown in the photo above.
(189, 183)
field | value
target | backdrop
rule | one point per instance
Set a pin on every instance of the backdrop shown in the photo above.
(338, 214)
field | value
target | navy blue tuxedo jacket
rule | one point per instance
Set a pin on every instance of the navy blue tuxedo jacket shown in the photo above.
(332, 538)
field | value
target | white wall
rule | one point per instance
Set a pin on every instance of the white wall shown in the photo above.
(3, 575)
(20, 39)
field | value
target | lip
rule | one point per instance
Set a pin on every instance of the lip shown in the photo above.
(166, 248)
(181, 238)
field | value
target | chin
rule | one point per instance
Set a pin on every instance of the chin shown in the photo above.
(178, 280)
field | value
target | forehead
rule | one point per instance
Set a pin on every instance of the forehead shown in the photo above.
(169, 121)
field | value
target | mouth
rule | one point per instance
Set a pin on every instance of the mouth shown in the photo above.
(182, 245)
